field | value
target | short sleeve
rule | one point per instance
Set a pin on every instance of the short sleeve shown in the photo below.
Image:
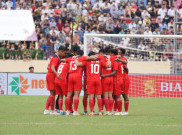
(55, 61)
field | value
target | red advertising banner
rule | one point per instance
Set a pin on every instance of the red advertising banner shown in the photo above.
(155, 86)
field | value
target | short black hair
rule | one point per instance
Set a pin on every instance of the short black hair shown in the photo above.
(114, 51)
(80, 52)
(123, 51)
(31, 67)
(75, 48)
(101, 51)
(107, 49)
(61, 48)
(91, 53)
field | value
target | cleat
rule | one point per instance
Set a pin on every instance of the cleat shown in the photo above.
(108, 113)
(85, 113)
(67, 112)
(71, 113)
(57, 110)
(125, 113)
(54, 113)
(113, 112)
(61, 113)
(75, 113)
(119, 113)
(91, 114)
(46, 112)
(100, 114)
(64, 113)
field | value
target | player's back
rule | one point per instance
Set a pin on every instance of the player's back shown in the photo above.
(54, 60)
(93, 69)
(119, 67)
(63, 69)
(74, 69)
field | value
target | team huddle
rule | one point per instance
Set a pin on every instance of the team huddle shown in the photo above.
(105, 79)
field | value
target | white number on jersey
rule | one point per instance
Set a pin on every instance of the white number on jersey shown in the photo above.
(95, 68)
(60, 68)
(73, 66)
(122, 69)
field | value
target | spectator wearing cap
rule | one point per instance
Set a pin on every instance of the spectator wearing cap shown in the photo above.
(2, 51)
(19, 53)
(7, 51)
(13, 53)
(32, 51)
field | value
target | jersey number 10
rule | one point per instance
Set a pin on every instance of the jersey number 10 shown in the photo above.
(95, 68)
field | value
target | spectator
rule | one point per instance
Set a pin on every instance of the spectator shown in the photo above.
(162, 26)
(19, 53)
(32, 51)
(31, 69)
(13, 54)
(2, 51)
(7, 51)
(39, 54)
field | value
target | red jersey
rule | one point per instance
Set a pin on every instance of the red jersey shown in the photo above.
(63, 69)
(73, 67)
(53, 61)
(93, 69)
(125, 73)
(119, 67)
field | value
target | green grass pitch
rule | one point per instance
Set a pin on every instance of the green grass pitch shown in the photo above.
(23, 115)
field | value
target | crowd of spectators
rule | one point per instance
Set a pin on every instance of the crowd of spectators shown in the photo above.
(55, 19)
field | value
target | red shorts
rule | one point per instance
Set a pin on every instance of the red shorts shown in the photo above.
(94, 87)
(118, 87)
(74, 82)
(50, 77)
(125, 88)
(61, 87)
(107, 84)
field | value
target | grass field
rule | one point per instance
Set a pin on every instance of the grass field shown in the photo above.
(23, 115)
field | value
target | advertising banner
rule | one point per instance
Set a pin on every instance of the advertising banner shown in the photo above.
(155, 86)
(17, 25)
(27, 84)
(3, 83)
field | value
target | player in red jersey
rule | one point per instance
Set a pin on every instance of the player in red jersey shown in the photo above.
(107, 82)
(52, 73)
(94, 88)
(74, 79)
(61, 85)
(126, 80)
(117, 81)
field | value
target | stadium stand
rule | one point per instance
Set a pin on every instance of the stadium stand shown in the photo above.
(55, 19)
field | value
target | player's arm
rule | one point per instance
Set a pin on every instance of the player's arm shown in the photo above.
(54, 71)
(79, 64)
(123, 61)
(94, 57)
(111, 74)
(126, 69)
(63, 60)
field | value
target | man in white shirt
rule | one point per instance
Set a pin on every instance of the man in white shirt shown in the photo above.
(9, 4)
(170, 24)
(162, 11)
(132, 24)
(171, 11)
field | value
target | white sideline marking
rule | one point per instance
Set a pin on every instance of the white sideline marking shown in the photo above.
(103, 124)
